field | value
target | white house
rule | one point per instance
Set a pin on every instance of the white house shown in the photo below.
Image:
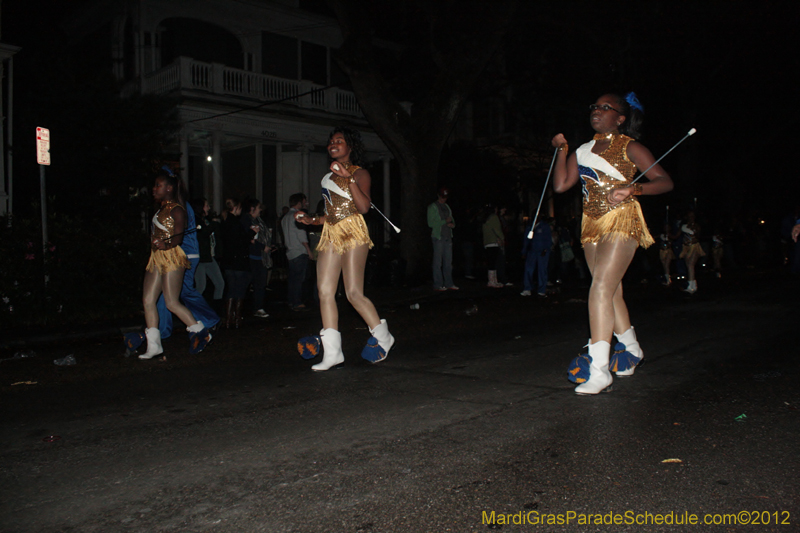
(254, 84)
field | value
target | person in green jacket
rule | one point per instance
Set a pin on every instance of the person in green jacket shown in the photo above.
(441, 222)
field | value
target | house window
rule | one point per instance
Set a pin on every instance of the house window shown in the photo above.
(314, 59)
(338, 77)
(201, 41)
(279, 55)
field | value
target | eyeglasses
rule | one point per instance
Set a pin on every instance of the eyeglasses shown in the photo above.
(604, 107)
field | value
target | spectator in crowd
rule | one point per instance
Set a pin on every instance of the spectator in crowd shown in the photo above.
(297, 250)
(440, 220)
(536, 252)
(208, 230)
(236, 263)
(494, 242)
(260, 248)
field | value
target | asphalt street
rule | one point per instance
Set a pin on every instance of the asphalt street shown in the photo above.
(469, 426)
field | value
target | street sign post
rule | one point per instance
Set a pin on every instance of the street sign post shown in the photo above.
(43, 158)
(43, 146)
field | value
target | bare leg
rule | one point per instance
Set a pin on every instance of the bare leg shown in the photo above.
(329, 268)
(665, 265)
(353, 264)
(691, 260)
(150, 293)
(171, 283)
(608, 262)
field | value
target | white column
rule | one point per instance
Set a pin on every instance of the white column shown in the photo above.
(304, 149)
(259, 172)
(216, 165)
(387, 204)
(279, 189)
(185, 157)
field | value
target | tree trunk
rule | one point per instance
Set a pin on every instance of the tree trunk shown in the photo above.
(460, 47)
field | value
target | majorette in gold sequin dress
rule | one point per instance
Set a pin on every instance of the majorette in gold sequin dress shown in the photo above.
(344, 227)
(691, 244)
(164, 228)
(601, 173)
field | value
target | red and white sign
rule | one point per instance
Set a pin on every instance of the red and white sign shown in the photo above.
(43, 146)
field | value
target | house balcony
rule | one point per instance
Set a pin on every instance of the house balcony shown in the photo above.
(188, 76)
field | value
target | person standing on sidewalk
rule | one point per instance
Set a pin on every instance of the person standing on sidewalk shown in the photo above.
(236, 263)
(297, 250)
(208, 231)
(613, 225)
(536, 252)
(440, 220)
(343, 249)
(494, 242)
(260, 243)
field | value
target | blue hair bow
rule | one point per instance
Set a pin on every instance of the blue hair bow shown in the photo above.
(634, 102)
(169, 171)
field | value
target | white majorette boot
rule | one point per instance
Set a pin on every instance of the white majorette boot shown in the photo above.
(599, 376)
(378, 346)
(631, 346)
(332, 355)
(153, 343)
(691, 288)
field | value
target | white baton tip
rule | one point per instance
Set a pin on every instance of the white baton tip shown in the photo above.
(692, 131)
(335, 167)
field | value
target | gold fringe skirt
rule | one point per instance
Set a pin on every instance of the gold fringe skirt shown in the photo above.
(624, 222)
(689, 249)
(666, 254)
(344, 235)
(167, 260)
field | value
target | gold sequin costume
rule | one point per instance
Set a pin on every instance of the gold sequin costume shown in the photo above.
(691, 243)
(601, 173)
(163, 228)
(665, 252)
(344, 227)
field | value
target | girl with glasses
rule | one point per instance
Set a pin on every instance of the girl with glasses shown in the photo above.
(613, 227)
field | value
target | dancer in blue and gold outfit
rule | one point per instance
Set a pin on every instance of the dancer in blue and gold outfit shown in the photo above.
(165, 271)
(613, 225)
(343, 250)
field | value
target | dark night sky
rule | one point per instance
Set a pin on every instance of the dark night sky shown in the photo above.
(722, 67)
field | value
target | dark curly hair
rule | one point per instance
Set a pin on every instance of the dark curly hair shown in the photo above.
(353, 139)
(634, 117)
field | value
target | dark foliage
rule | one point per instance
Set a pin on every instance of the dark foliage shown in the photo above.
(94, 270)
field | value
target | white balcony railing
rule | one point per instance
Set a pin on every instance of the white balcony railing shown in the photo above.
(187, 74)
